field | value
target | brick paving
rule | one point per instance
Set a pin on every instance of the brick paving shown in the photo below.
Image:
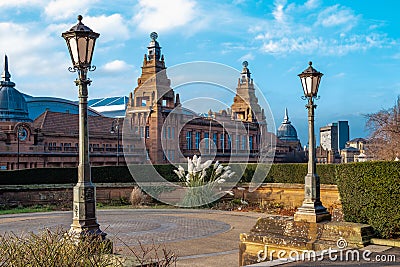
(198, 237)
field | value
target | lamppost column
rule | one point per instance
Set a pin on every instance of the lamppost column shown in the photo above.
(118, 143)
(84, 165)
(84, 212)
(18, 149)
(311, 185)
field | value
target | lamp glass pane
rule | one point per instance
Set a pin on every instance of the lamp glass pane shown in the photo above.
(317, 81)
(309, 82)
(303, 83)
(90, 50)
(74, 50)
(82, 47)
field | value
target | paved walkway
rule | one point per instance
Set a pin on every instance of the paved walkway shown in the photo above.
(198, 237)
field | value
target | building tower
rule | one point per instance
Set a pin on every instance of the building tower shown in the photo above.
(150, 101)
(12, 103)
(245, 105)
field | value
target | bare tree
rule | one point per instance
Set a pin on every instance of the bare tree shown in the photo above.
(384, 140)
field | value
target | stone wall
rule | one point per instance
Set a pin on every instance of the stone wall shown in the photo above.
(60, 195)
(289, 195)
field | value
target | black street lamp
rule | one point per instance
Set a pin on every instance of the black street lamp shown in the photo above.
(21, 136)
(80, 41)
(312, 209)
(116, 126)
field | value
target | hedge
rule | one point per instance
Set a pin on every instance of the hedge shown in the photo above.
(279, 173)
(370, 193)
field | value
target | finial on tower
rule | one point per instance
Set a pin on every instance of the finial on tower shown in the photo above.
(153, 36)
(286, 118)
(245, 64)
(6, 75)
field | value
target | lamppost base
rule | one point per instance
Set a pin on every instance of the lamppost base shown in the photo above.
(312, 212)
(78, 233)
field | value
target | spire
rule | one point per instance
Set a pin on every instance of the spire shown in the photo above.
(6, 75)
(245, 71)
(286, 118)
(177, 101)
(154, 49)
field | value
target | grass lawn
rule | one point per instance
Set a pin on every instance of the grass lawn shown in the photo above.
(27, 209)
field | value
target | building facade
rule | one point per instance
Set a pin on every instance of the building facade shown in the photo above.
(333, 138)
(50, 139)
(288, 147)
(171, 133)
(43, 132)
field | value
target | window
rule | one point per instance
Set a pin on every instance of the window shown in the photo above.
(164, 103)
(173, 132)
(189, 140)
(222, 139)
(144, 102)
(251, 142)
(229, 142)
(243, 142)
(207, 141)
(237, 142)
(215, 137)
(147, 132)
(165, 132)
(169, 133)
(197, 140)
(171, 155)
(141, 129)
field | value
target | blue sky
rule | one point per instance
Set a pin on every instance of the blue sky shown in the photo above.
(356, 44)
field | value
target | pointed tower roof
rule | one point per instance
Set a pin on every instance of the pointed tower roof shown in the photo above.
(6, 75)
(286, 131)
(286, 117)
(12, 103)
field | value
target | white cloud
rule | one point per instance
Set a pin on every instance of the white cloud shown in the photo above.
(310, 4)
(110, 27)
(21, 3)
(278, 12)
(116, 66)
(337, 16)
(62, 9)
(28, 48)
(162, 16)
(248, 57)
(294, 30)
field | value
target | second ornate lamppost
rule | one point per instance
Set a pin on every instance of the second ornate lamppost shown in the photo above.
(312, 209)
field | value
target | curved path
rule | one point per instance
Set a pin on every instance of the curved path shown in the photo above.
(199, 237)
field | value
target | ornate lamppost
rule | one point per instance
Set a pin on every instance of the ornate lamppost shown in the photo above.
(115, 126)
(21, 136)
(81, 41)
(312, 209)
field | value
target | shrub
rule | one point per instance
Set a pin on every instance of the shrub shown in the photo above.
(370, 193)
(53, 249)
(56, 248)
(136, 197)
